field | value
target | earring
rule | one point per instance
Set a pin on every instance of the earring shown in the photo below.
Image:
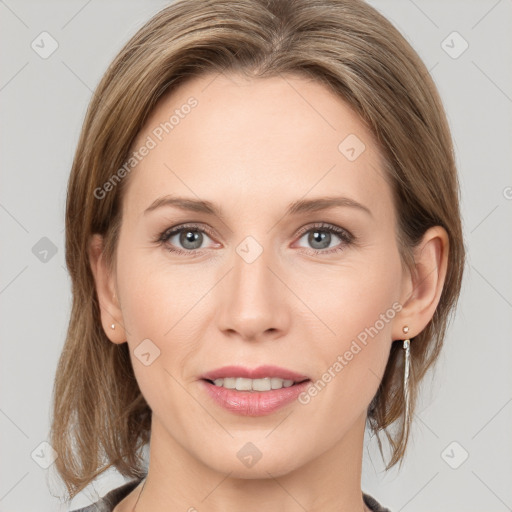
(113, 326)
(407, 349)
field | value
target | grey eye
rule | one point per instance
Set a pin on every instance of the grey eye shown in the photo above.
(319, 238)
(188, 238)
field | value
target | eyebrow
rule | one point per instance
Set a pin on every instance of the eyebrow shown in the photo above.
(295, 208)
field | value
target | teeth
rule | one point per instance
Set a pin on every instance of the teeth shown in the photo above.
(243, 384)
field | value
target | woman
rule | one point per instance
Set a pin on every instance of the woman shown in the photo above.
(264, 240)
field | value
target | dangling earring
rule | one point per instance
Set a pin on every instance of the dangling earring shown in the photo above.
(406, 346)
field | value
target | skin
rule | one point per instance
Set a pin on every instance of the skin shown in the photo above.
(253, 147)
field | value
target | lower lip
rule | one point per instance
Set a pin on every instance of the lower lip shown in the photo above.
(254, 403)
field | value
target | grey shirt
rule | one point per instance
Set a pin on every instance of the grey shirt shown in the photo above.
(110, 500)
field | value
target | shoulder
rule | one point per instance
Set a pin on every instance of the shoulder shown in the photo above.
(373, 504)
(111, 499)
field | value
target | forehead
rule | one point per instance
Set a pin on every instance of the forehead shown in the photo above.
(229, 138)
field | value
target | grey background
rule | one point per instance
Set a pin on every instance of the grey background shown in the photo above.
(467, 400)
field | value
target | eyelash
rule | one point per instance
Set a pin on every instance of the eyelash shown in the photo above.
(343, 234)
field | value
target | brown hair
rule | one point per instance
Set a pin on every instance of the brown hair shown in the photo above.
(100, 419)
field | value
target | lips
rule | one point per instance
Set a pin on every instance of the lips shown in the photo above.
(254, 373)
(253, 403)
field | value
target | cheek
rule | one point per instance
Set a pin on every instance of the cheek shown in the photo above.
(167, 304)
(357, 305)
(353, 296)
(155, 299)
(155, 293)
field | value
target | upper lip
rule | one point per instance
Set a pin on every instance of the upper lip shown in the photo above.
(254, 373)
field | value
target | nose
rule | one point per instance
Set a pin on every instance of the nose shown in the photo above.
(253, 301)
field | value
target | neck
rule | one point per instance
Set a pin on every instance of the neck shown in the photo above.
(179, 480)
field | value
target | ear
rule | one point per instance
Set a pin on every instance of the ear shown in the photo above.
(423, 287)
(110, 310)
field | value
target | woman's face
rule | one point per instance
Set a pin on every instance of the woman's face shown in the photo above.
(268, 278)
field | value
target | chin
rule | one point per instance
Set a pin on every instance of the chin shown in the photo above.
(259, 467)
